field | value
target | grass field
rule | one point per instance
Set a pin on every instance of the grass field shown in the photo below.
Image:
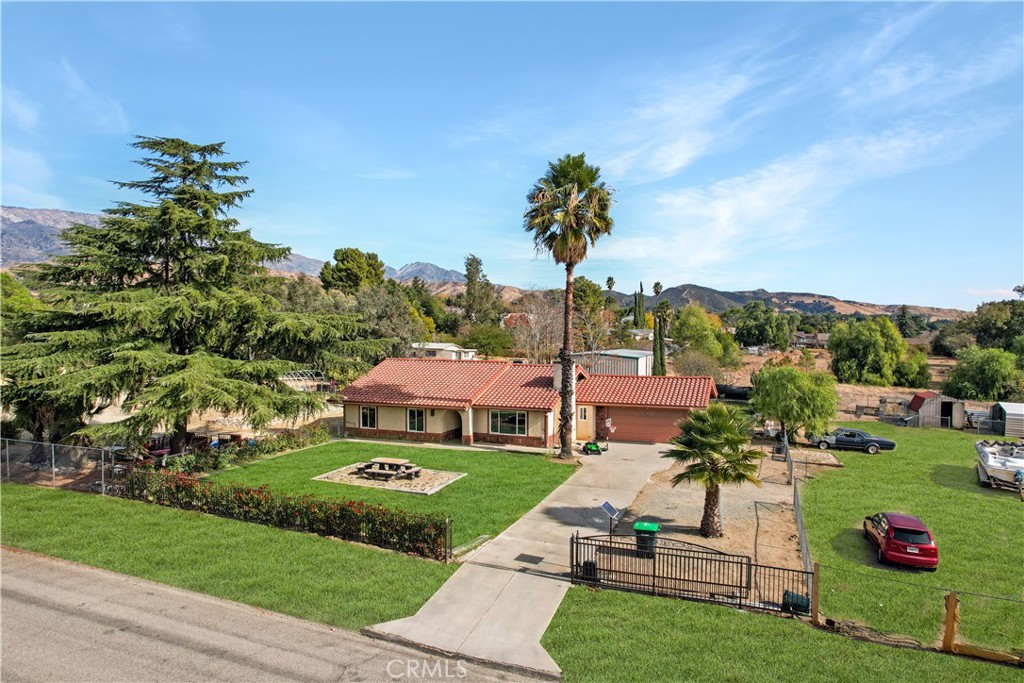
(980, 534)
(498, 489)
(299, 574)
(620, 637)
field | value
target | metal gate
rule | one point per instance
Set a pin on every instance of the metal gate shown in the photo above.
(682, 570)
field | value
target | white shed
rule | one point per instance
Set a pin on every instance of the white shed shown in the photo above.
(1012, 415)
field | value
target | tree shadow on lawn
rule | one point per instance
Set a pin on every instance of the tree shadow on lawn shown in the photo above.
(960, 478)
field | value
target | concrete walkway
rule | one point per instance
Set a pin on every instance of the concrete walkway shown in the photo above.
(496, 607)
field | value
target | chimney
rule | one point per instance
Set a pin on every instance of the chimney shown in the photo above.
(557, 368)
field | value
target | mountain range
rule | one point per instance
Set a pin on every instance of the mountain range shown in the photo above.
(33, 235)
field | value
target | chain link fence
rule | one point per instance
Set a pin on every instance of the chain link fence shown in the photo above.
(82, 468)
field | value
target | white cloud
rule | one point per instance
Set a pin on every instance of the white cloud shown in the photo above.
(991, 294)
(23, 112)
(779, 207)
(924, 80)
(26, 179)
(95, 108)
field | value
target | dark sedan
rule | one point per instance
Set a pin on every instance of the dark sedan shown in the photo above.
(854, 439)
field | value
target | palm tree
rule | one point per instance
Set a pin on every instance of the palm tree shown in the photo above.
(568, 209)
(610, 283)
(712, 443)
(657, 289)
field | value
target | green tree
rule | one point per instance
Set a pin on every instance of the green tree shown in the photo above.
(657, 289)
(489, 340)
(610, 283)
(160, 307)
(480, 302)
(713, 445)
(16, 302)
(797, 398)
(568, 209)
(387, 313)
(758, 325)
(872, 352)
(662, 315)
(351, 270)
(907, 323)
(639, 309)
(985, 375)
(588, 317)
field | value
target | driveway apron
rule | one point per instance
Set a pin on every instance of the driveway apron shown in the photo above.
(496, 607)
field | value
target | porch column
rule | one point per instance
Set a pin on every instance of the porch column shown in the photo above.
(467, 426)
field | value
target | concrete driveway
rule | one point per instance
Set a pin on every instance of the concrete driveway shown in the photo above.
(496, 607)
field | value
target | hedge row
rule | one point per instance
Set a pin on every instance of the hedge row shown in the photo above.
(420, 534)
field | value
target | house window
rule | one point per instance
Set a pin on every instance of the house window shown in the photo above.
(431, 354)
(583, 412)
(415, 419)
(508, 422)
(368, 417)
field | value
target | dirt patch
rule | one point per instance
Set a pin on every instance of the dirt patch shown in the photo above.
(758, 522)
(429, 481)
(850, 395)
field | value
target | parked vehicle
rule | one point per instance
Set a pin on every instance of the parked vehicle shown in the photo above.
(902, 539)
(853, 439)
(1001, 464)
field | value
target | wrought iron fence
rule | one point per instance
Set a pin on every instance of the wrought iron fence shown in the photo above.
(658, 566)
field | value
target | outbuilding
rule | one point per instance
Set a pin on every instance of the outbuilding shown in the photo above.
(1012, 417)
(935, 410)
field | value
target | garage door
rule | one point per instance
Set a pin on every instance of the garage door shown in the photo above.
(645, 425)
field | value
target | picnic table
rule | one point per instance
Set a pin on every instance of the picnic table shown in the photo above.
(389, 468)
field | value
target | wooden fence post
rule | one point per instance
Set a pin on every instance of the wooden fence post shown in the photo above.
(815, 580)
(952, 619)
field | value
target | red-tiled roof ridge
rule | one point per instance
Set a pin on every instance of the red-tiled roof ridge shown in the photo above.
(423, 381)
(647, 390)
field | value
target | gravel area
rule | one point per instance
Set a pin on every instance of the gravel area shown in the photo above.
(429, 481)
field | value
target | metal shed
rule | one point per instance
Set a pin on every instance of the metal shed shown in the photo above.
(936, 410)
(1012, 416)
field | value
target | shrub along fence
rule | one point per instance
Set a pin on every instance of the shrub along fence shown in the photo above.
(421, 534)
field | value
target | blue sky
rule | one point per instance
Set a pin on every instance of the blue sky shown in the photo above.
(870, 151)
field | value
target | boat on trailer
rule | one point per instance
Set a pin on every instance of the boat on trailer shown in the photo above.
(1001, 464)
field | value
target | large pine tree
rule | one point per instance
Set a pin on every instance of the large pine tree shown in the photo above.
(160, 308)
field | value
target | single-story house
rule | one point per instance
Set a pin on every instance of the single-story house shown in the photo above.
(616, 361)
(441, 350)
(642, 335)
(514, 403)
(935, 410)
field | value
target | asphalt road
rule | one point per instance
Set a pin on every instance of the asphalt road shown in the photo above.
(68, 622)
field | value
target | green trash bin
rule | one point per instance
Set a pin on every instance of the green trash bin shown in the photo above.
(646, 538)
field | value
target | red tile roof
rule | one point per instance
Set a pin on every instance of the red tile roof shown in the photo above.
(424, 382)
(655, 392)
(524, 386)
(460, 384)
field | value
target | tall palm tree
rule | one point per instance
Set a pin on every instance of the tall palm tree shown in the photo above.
(569, 208)
(713, 444)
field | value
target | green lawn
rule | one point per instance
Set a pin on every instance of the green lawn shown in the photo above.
(498, 489)
(980, 533)
(619, 637)
(284, 571)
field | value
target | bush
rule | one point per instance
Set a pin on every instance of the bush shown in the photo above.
(209, 459)
(428, 535)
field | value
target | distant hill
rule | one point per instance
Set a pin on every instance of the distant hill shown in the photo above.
(32, 236)
(717, 301)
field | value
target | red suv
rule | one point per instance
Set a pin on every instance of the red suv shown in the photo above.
(902, 539)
